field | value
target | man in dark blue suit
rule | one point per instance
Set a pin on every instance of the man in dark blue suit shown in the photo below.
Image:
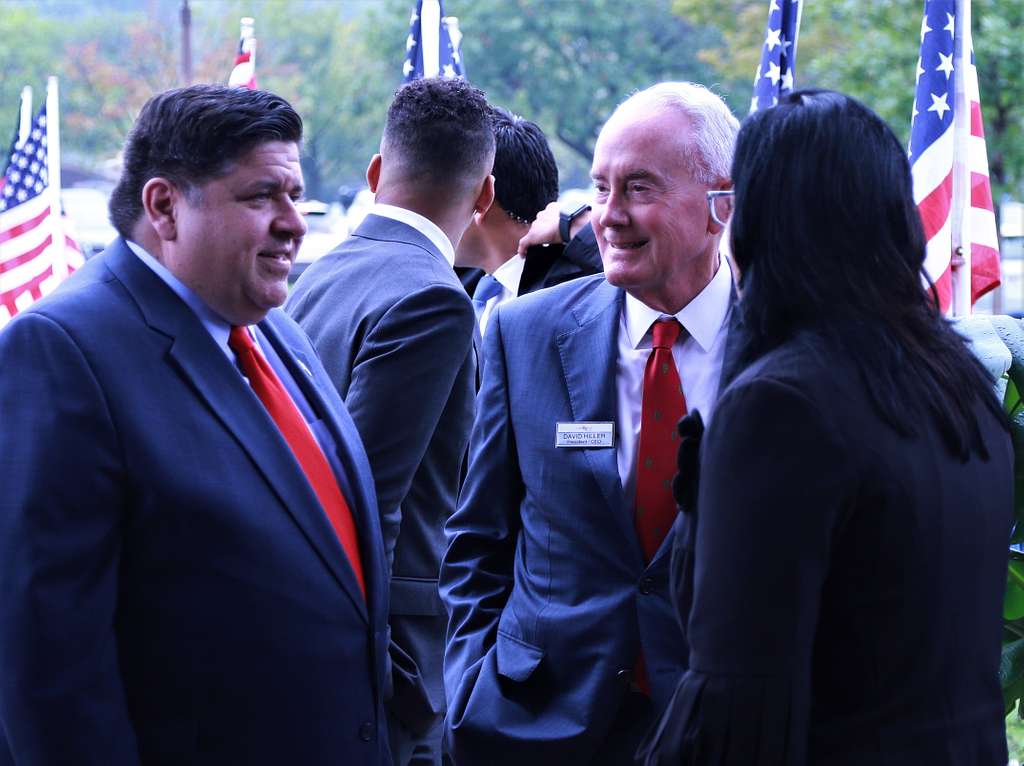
(190, 556)
(563, 644)
(395, 330)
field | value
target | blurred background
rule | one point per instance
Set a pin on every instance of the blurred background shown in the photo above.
(562, 63)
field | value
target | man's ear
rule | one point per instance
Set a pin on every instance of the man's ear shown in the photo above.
(373, 173)
(724, 204)
(485, 198)
(160, 201)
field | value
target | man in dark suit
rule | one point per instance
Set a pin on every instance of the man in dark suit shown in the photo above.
(562, 643)
(395, 330)
(190, 557)
(525, 182)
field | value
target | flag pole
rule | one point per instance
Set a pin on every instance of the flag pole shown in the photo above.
(25, 117)
(60, 260)
(961, 203)
(430, 23)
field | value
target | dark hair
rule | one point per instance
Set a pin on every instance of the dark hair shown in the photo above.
(192, 135)
(439, 134)
(827, 236)
(525, 173)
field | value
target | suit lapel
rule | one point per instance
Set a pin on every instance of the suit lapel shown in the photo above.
(589, 352)
(343, 434)
(216, 382)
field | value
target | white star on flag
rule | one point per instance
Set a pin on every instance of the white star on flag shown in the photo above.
(410, 43)
(949, 25)
(939, 105)
(773, 73)
(773, 38)
(945, 65)
(925, 29)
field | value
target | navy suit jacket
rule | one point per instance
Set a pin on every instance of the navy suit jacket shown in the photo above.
(549, 598)
(172, 590)
(394, 328)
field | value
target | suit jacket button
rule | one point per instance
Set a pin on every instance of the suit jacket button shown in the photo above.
(366, 731)
(624, 677)
(647, 586)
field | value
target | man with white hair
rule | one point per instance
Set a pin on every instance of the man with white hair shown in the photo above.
(562, 642)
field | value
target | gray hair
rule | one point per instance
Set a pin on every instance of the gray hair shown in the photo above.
(714, 126)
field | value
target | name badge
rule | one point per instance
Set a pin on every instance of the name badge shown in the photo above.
(584, 434)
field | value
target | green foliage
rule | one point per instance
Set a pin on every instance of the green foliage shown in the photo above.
(563, 64)
(1011, 669)
(567, 66)
(870, 50)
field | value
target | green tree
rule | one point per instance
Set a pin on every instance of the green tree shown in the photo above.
(29, 46)
(567, 65)
(870, 50)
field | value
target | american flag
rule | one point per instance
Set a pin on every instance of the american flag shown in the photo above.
(777, 69)
(944, 138)
(429, 49)
(31, 264)
(244, 73)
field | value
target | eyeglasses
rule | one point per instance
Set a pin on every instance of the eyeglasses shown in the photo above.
(720, 203)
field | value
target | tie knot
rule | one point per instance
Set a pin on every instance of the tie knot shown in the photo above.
(664, 333)
(486, 288)
(240, 340)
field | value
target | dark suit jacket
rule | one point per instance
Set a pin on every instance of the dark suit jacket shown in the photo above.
(395, 330)
(549, 597)
(550, 265)
(842, 584)
(172, 590)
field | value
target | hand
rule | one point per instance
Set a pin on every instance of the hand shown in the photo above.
(544, 229)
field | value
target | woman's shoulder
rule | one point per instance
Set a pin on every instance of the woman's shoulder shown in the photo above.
(805, 362)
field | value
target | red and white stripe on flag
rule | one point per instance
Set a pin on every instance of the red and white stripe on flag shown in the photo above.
(935, 127)
(35, 252)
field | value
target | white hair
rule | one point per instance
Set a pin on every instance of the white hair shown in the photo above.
(714, 127)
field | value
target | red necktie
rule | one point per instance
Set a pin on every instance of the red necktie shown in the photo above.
(663, 406)
(268, 387)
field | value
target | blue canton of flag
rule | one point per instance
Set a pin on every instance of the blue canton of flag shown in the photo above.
(933, 97)
(429, 50)
(25, 176)
(776, 71)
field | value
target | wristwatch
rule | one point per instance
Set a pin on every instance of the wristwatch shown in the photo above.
(565, 219)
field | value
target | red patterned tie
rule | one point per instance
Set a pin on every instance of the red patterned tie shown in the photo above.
(663, 406)
(268, 387)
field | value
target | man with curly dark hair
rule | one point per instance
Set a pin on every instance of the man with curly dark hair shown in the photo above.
(394, 328)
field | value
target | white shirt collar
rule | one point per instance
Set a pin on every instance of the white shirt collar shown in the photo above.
(702, 317)
(424, 226)
(510, 273)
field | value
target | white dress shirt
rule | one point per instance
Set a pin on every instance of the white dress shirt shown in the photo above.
(698, 352)
(508, 275)
(424, 226)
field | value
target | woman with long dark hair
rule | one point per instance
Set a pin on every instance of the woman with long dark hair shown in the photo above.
(840, 575)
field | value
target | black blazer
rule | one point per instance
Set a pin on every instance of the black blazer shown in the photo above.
(841, 585)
